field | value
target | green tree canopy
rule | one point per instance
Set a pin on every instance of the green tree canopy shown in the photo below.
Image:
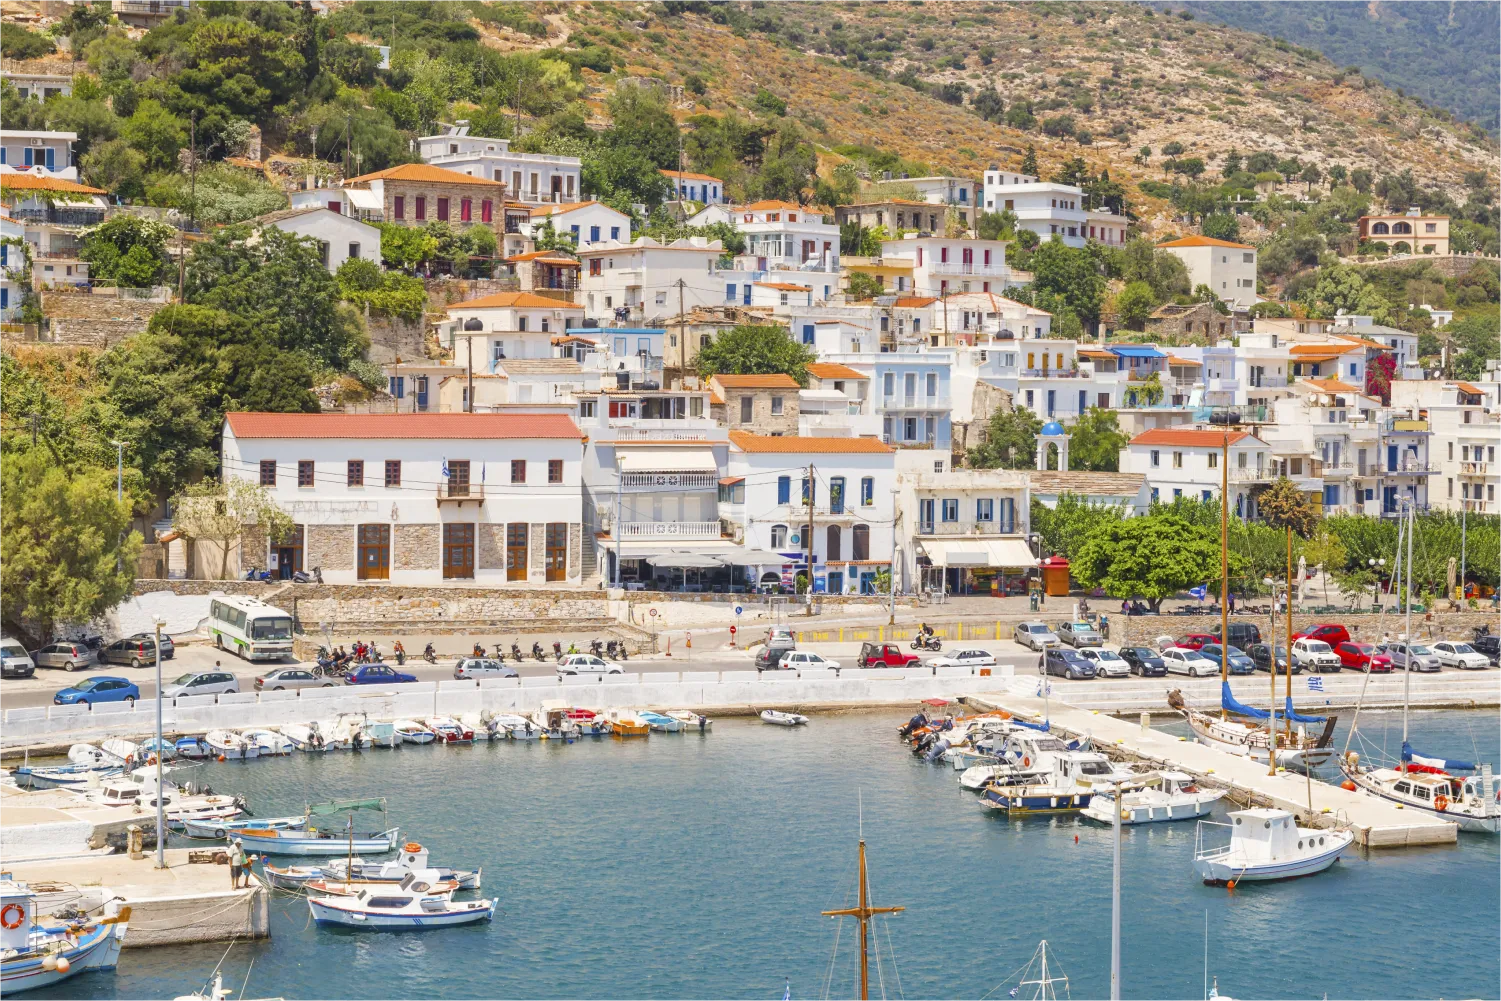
(129, 250)
(1067, 277)
(1010, 441)
(1066, 527)
(1283, 505)
(749, 349)
(1134, 305)
(1152, 557)
(1095, 441)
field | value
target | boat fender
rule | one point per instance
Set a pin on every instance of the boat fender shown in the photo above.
(12, 915)
(1441, 802)
(63, 964)
(1347, 785)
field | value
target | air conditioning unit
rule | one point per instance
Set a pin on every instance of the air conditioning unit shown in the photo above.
(38, 142)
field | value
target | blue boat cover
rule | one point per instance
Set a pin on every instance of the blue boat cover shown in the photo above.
(1230, 704)
(1296, 717)
(1408, 754)
(1044, 726)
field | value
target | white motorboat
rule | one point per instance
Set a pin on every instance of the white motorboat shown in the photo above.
(776, 718)
(268, 742)
(231, 746)
(357, 732)
(1267, 845)
(125, 750)
(177, 806)
(692, 722)
(517, 727)
(483, 724)
(1151, 798)
(90, 756)
(661, 722)
(35, 954)
(412, 732)
(305, 736)
(1473, 802)
(554, 720)
(218, 829)
(449, 730)
(61, 776)
(399, 908)
(1061, 783)
(413, 858)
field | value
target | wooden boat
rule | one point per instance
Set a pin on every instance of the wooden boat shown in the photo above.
(314, 841)
(399, 908)
(219, 829)
(412, 732)
(624, 723)
(589, 723)
(1267, 845)
(34, 955)
(1152, 798)
(1236, 734)
(660, 722)
(231, 746)
(690, 720)
(776, 718)
(449, 730)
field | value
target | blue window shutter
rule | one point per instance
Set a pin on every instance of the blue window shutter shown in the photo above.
(575, 231)
(747, 299)
(807, 333)
(729, 293)
(50, 154)
(784, 489)
(593, 234)
(614, 232)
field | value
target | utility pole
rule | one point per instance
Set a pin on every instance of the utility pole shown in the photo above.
(682, 322)
(808, 494)
(161, 827)
(1225, 575)
(891, 580)
(119, 468)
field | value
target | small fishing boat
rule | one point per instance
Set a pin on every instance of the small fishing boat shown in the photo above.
(1152, 798)
(660, 722)
(61, 776)
(90, 756)
(125, 750)
(305, 736)
(449, 730)
(231, 746)
(149, 747)
(34, 954)
(412, 732)
(589, 722)
(393, 871)
(1425, 783)
(1266, 845)
(218, 830)
(399, 908)
(554, 721)
(323, 841)
(691, 721)
(518, 727)
(269, 742)
(776, 718)
(483, 724)
(178, 806)
(1066, 785)
(359, 733)
(193, 747)
(624, 723)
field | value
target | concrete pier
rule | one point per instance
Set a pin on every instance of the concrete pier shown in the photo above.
(1376, 822)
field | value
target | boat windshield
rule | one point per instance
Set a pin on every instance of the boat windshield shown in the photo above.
(1050, 744)
(1094, 768)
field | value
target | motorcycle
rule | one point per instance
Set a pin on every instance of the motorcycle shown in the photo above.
(927, 641)
(557, 650)
(430, 655)
(625, 654)
(257, 574)
(595, 646)
(304, 577)
(516, 653)
(610, 649)
(537, 651)
(500, 653)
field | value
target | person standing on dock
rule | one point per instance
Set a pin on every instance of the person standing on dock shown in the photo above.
(237, 865)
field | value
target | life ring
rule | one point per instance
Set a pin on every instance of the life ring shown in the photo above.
(5, 915)
(411, 848)
(1441, 802)
(1026, 761)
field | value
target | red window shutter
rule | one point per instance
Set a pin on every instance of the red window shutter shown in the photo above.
(943, 255)
(486, 211)
(987, 258)
(421, 208)
(336, 207)
(442, 209)
(466, 210)
(399, 207)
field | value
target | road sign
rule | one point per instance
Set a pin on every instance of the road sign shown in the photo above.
(738, 609)
(652, 612)
(732, 630)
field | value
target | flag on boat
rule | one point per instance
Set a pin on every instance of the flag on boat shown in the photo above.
(787, 994)
(1315, 684)
(1408, 754)
(1013, 992)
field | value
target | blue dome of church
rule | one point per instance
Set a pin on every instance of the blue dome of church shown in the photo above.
(1053, 428)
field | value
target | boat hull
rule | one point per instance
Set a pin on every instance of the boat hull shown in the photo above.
(1102, 808)
(98, 950)
(1465, 822)
(1231, 868)
(461, 913)
(329, 846)
(212, 830)
(1025, 804)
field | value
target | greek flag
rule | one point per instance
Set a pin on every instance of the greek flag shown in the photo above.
(1315, 684)
(1201, 592)
(1043, 688)
(445, 467)
(482, 472)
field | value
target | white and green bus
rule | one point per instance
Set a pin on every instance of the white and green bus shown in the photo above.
(250, 628)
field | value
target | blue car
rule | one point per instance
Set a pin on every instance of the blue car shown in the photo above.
(103, 689)
(1240, 663)
(376, 674)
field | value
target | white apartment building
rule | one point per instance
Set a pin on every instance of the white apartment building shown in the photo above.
(1185, 462)
(787, 236)
(690, 187)
(1229, 269)
(417, 498)
(1466, 423)
(48, 153)
(984, 317)
(590, 224)
(964, 531)
(52, 213)
(506, 325)
(1402, 343)
(14, 277)
(651, 280)
(1050, 209)
(943, 265)
(837, 402)
(766, 504)
(339, 237)
(38, 86)
(529, 177)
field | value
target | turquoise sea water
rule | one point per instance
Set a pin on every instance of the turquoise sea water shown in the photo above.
(688, 867)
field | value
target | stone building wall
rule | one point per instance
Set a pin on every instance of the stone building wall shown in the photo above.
(330, 547)
(490, 546)
(392, 337)
(762, 420)
(411, 190)
(416, 547)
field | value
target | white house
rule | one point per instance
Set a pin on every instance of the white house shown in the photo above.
(784, 235)
(780, 295)
(851, 512)
(983, 317)
(713, 213)
(943, 265)
(691, 187)
(589, 223)
(1229, 269)
(340, 237)
(1185, 462)
(14, 276)
(417, 498)
(38, 86)
(1050, 209)
(506, 325)
(1466, 424)
(650, 280)
(529, 177)
(53, 212)
(49, 153)
(965, 530)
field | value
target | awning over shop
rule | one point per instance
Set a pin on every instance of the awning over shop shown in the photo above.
(668, 460)
(1007, 554)
(754, 558)
(363, 198)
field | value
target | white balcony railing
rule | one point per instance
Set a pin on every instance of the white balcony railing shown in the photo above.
(1474, 469)
(662, 530)
(654, 482)
(915, 402)
(960, 268)
(965, 527)
(663, 431)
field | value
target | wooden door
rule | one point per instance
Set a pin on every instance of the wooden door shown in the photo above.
(375, 552)
(458, 551)
(557, 551)
(516, 554)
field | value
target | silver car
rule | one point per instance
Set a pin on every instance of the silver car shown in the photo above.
(289, 679)
(1079, 634)
(1035, 635)
(201, 683)
(482, 667)
(1421, 657)
(67, 655)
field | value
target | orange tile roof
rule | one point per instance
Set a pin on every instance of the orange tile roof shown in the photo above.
(689, 175)
(431, 426)
(538, 255)
(770, 205)
(776, 381)
(747, 442)
(515, 300)
(828, 370)
(1331, 386)
(785, 287)
(1329, 350)
(1205, 241)
(1187, 437)
(1175, 360)
(916, 301)
(38, 182)
(1364, 342)
(1463, 387)
(424, 172)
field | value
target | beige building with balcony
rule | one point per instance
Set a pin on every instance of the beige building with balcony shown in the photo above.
(1421, 234)
(1185, 462)
(967, 528)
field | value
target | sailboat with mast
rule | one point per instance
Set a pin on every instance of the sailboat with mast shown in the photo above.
(864, 912)
(1246, 735)
(1419, 781)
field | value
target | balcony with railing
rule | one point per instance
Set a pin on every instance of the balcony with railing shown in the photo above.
(1472, 468)
(961, 268)
(667, 530)
(454, 492)
(1409, 467)
(915, 401)
(970, 527)
(639, 483)
(60, 215)
(1405, 425)
(663, 429)
(1253, 474)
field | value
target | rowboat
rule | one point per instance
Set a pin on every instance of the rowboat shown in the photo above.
(412, 732)
(776, 718)
(231, 746)
(193, 747)
(210, 829)
(314, 841)
(37, 955)
(660, 722)
(305, 736)
(624, 723)
(1267, 845)
(691, 720)
(61, 776)
(399, 908)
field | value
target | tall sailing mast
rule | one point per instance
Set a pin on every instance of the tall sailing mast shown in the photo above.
(864, 913)
(1225, 568)
(1412, 508)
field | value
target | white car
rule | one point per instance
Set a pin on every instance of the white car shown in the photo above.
(585, 663)
(1452, 654)
(1107, 663)
(969, 657)
(1315, 655)
(14, 660)
(1035, 635)
(807, 660)
(1180, 660)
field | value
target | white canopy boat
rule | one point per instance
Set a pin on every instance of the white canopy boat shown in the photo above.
(1151, 798)
(483, 724)
(691, 721)
(412, 732)
(398, 908)
(554, 721)
(231, 746)
(1266, 845)
(323, 841)
(518, 727)
(269, 742)
(125, 750)
(89, 756)
(449, 730)
(33, 954)
(305, 736)
(776, 718)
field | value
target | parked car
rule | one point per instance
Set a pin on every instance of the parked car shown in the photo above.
(968, 657)
(1107, 663)
(1035, 635)
(290, 678)
(1144, 661)
(885, 655)
(587, 663)
(1078, 634)
(1242, 634)
(201, 683)
(15, 662)
(483, 667)
(1067, 664)
(769, 658)
(807, 660)
(1316, 655)
(1180, 660)
(1261, 655)
(169, 649)
(1331, 633)
(100, 688)
(1454, 654)
(1363, 657)
(1488, 645)
(1421, 656)
(70, 655)
(781, 637)
(377, 674)
(1195, 641)
(132, 650)
(1240, 663)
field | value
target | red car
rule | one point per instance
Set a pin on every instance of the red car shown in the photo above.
(1334, 635)
(1195, 641)
(884, 655)
(1363, 656)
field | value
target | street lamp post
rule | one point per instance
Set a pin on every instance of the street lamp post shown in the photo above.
(1374, 563)
(161, 826)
